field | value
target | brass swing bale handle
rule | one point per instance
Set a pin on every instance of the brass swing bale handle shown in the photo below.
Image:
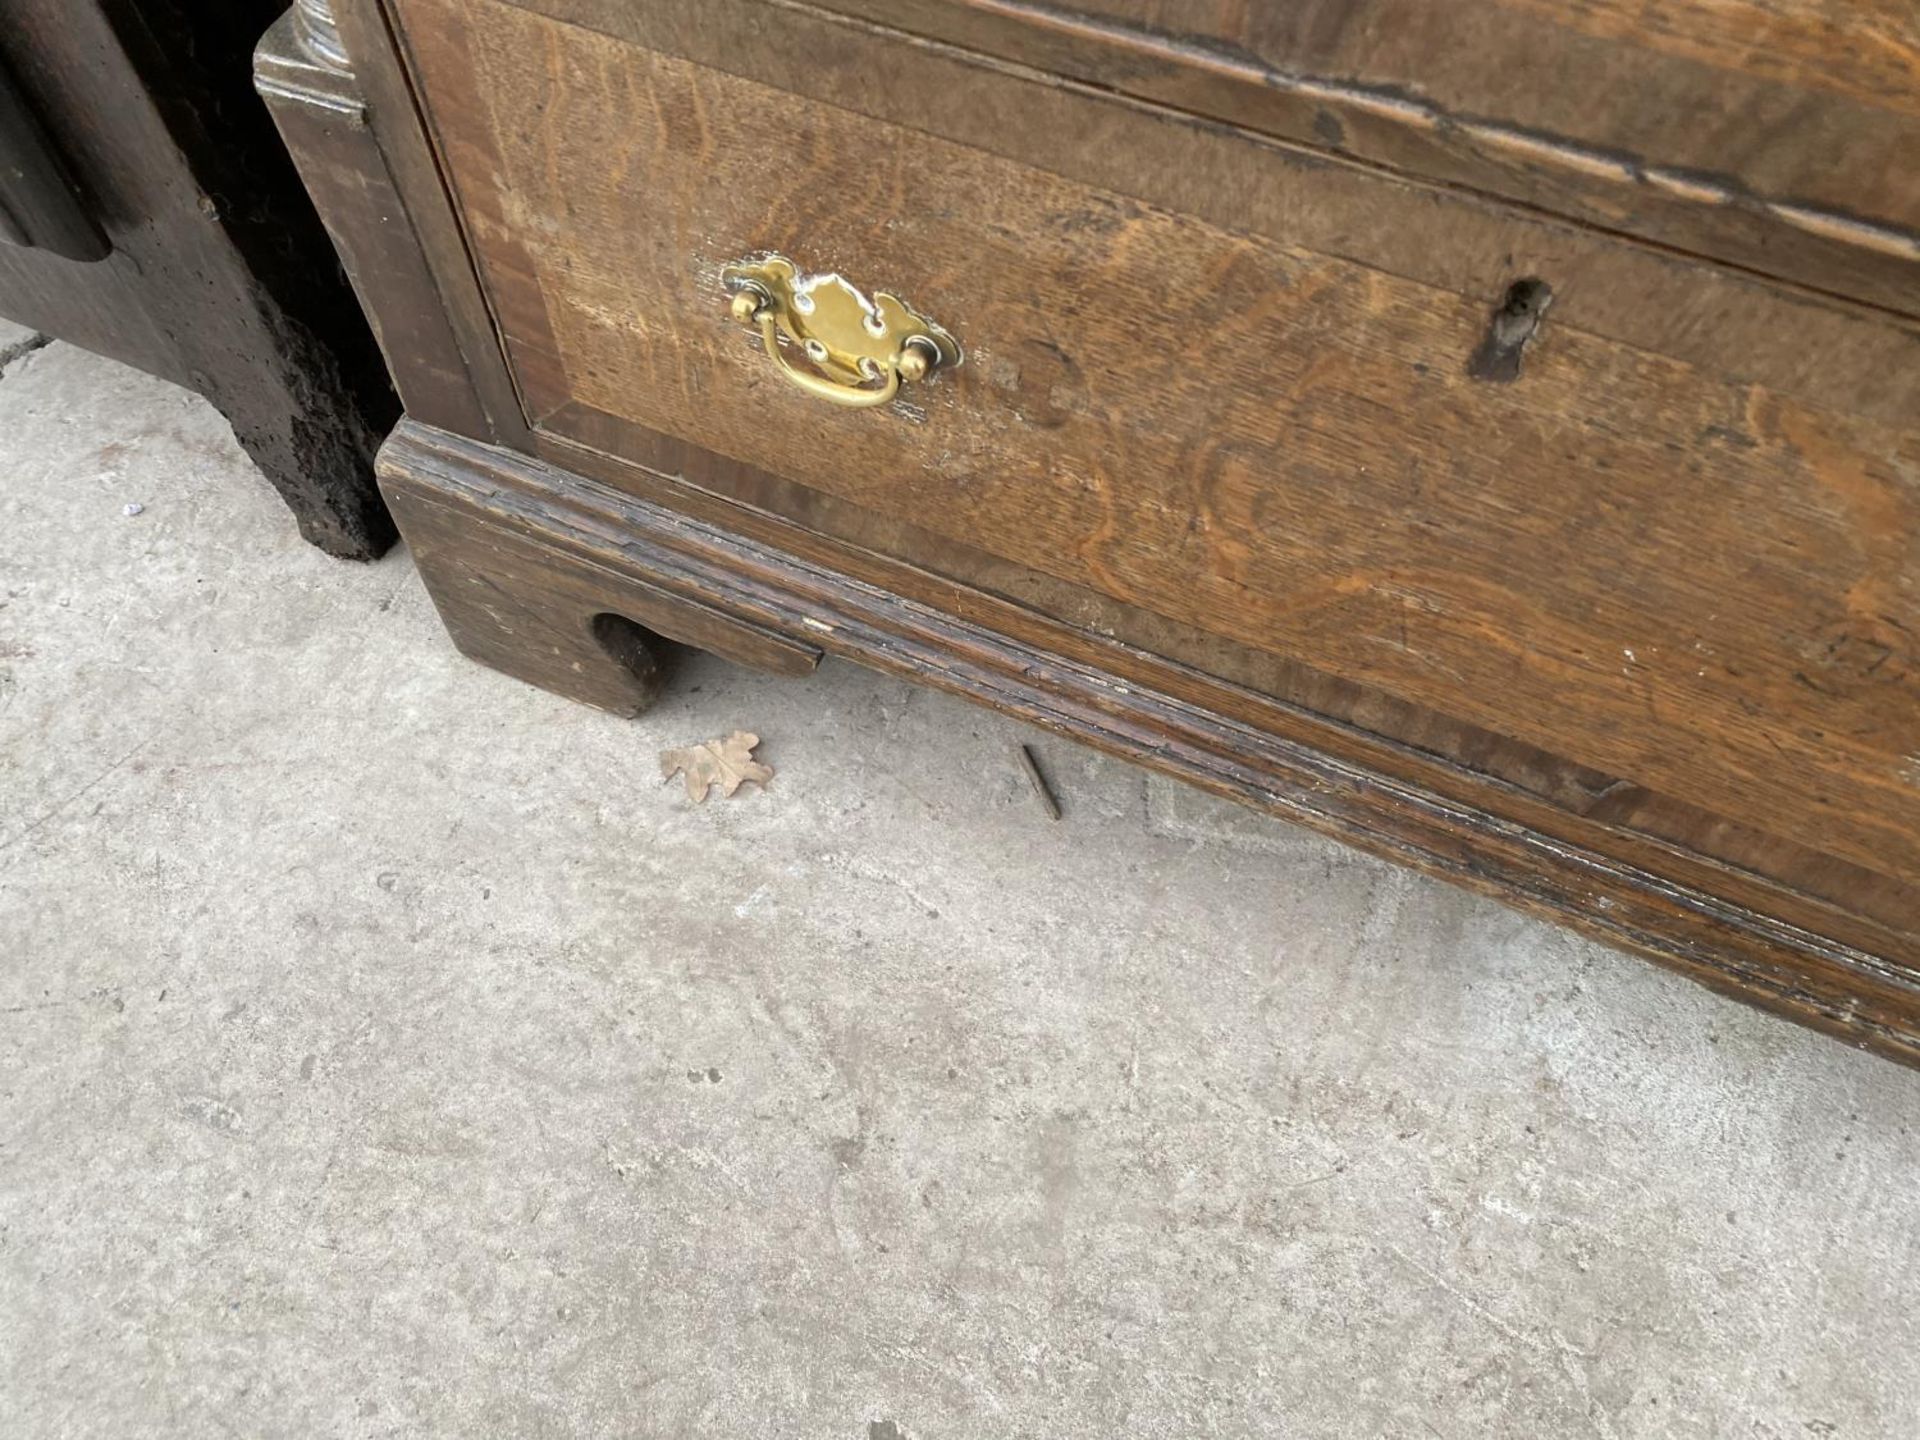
(911, 363)
(848, 340)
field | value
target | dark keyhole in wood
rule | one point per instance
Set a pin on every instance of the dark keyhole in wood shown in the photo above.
(1514, 323)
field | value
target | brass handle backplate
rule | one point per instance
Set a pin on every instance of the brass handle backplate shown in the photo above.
(858, 351)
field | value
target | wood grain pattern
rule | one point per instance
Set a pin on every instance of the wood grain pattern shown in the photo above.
(1583, 173)
(568, 581)
(318, 105)
(1731, 323)
(1524, 783)
(1700, 587)
(531, 556)
(1863, 51)
(1814, 100)
(363, 36)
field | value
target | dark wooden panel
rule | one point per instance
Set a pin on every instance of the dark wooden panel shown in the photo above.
(706, 627)
(40, 206)
(588, 631)
(1702, 588)
(546, 551)
(221, 278)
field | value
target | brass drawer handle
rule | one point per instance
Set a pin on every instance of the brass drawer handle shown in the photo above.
(849, 341)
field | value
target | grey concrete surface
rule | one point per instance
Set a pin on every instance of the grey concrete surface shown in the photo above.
(385, 1050)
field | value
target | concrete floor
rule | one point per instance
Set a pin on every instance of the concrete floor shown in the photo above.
(387, 1051)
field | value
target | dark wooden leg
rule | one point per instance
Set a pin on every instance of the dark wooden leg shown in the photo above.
(527, 612)
(314, 445)
(186, 245)
(572, 613)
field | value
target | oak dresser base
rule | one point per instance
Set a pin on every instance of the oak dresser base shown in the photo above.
(569, 584)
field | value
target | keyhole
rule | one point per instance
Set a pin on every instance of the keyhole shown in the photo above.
(1511, 327)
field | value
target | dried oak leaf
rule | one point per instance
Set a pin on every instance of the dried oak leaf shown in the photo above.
(728, 763)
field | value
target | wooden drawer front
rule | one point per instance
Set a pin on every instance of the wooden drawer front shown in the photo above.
(1811, 99)
(1776, 134)
(1702, 584)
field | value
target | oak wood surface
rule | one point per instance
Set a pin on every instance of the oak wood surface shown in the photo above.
(379, 78)
(1699, 586)
(1707, 83)
(317, 102)
(1387, 734)
(527, 562)
(1830, 353)
(1773, 133)
(589, 631)
(557, 578)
